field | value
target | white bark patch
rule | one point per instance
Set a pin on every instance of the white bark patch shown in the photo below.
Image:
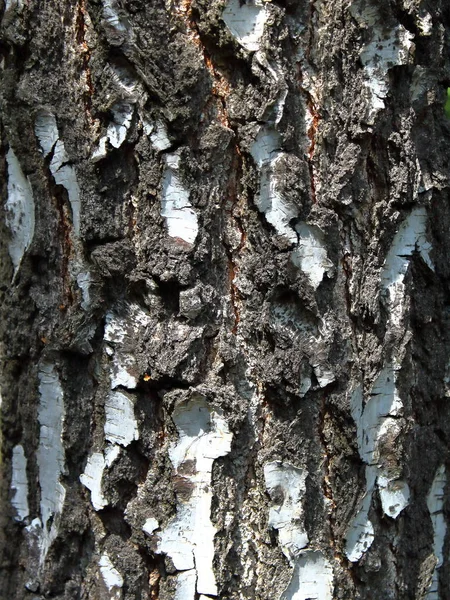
(92, 479)
(186, 585)
(447, 380)
(67, 177)
(158, 136)
(305, 386)
(101, 151)
(311, 256)
(120, 425)
(246, 22)
(189, 538)
(305, 380)
(84, 283)
(312, 579)
(121, 330)
(286, 486)
(378, 414)
(64, 174)
(50, 453)
(394, 495)
(122, 324)
(435, 504)
(46, 131)
(280, 103)
(93, 474)
(124, 79)
(361, 533)
(19, 211)
(380, 55)
(375, 421)
(150, 526)
(111, 453)
(116, 327)
(19, 483)
(176, 208)
(117, 130)
(37, 547)
(14, 4)
(278, 212)
(120, 372)
(266, 146)
(147, 126)
(410, 237)
(425, 24)
(111, 15)
(324, 374)
(111, 576)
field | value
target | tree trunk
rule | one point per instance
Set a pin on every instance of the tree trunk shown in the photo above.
(226, 325)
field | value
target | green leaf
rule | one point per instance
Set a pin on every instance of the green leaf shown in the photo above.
(447, 104)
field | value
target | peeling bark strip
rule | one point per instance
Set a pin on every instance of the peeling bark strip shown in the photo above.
(50, 454)
(175, 205)
(112, 578)
(43, 529)
(435, 504)
(225, 336)
(19, 211)
(19, 483)
(47, 133)
(189, 538)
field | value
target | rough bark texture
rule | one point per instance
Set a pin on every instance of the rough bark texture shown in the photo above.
(226, 325)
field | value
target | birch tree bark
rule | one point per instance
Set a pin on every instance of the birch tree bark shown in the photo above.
(225, 290)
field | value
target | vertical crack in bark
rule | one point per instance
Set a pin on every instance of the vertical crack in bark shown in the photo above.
(220, 92)
(311, 108)
(326, 486)
(312, 10)
(66, 252)
(153, 581)
(85, 51)
(236, 171)
(312, 133)
(65, 237)
(65, 242)
(330, 503)
(346, 262)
